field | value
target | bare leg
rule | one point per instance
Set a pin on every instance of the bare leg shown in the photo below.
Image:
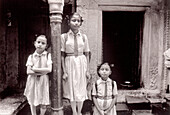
(33, 110)
(73, 106)
(79, 105)
(43, 109)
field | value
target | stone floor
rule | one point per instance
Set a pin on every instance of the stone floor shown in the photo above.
(121, 110)
(17, 105)
(12, 105)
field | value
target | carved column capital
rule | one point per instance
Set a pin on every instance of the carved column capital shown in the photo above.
(56, 6)
(56, 17)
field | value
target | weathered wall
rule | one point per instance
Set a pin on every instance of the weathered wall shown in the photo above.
(9, 47)
(89, 11)
(12, 54)
(153, 36)
(2, 47)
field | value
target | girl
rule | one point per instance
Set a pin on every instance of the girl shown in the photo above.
(75, 64)
(104, 92)
(37, 86)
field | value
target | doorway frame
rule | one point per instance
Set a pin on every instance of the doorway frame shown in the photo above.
(153, 72)
(150, 73)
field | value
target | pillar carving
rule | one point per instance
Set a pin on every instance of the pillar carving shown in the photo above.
(146, 39)
(166, 78)
(150, 57)
(154, 54)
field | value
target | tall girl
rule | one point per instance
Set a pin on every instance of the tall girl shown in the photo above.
(104, 92)
(75, 63)
(37, 86)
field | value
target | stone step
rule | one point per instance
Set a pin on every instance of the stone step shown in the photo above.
(161, 109)
(122, 109)
(142, 112)
(137, 103)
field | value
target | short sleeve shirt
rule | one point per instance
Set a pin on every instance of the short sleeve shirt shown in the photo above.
(67, 42)
(99, 88)
(33, 59)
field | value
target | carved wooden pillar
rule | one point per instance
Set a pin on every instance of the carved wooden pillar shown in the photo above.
(56, 9)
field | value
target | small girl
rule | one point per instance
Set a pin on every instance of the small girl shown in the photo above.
(104, 92)
(37, 86)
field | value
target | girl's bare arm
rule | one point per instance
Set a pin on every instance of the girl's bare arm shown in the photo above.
(31, 72)
(46, 70)
(65, 74)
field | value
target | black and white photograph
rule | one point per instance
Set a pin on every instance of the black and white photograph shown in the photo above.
(84, 57)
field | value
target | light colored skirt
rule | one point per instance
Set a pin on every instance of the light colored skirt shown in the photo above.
(75, 87)
(37, 90)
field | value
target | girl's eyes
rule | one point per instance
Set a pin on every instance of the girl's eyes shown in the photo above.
(107, 69)
(41, 42)
(104, 69)
(74, 20)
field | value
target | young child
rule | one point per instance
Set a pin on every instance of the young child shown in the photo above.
(75, 63)
(37, 86)
(104, 92)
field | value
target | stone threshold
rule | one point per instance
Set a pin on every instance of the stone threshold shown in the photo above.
(12, 105)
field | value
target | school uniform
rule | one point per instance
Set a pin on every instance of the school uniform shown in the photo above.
(37, 87)
(75, 87)
(104, 91)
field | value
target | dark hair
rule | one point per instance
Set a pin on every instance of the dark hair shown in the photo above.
(99, 66)
(75, 13)
(42, 35)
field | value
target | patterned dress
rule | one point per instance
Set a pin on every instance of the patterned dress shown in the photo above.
(75, 87)
(37, 88)
(99, 90)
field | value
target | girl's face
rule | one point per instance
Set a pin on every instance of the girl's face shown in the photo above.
(75, 22)
(40, 44)
(105, 71)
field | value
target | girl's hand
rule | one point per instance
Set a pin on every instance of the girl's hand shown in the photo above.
(65, 76)
(101, 112)
(33, 68)
(88, 75)
(106, 111)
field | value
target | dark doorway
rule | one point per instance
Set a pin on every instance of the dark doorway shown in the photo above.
(122, 46)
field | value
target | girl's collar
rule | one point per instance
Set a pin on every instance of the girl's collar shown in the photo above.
(71, 32)
(108, 79)
(44, 52)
